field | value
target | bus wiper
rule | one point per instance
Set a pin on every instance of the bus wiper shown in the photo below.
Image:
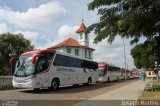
(21, 66)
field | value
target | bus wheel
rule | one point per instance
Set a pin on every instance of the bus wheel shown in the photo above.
(108, 79)
(117, 78)
(54, 84)
(89, 82)
(76, 85)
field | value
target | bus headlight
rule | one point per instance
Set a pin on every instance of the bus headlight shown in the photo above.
(21, 80)
(27, 80)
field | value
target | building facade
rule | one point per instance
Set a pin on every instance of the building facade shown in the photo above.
(80, 48)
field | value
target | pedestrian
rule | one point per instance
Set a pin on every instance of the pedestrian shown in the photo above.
(156, 72)
(143, 76)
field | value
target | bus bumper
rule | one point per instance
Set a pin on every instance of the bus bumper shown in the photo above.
(24, 83)
(102, 79)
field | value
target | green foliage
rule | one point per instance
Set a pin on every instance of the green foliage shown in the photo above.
(127, 18)
(12, 44)
(143, 54)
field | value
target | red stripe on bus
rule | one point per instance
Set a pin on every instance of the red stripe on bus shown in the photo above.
(39, 51)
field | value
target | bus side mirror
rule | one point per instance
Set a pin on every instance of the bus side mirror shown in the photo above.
(13, 59)
(35, 57)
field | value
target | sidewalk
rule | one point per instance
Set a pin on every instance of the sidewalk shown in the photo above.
(129, 92)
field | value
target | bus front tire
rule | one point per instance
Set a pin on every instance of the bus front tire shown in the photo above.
(117, 78)
(54, 84)
(108, 79)
(89, 82)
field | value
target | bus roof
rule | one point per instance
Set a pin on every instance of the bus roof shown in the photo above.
(38, 51)
(105, 64)
(53, 51)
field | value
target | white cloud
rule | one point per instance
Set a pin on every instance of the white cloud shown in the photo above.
(33, 36)
(67, 30)
(4, 28)
(42, 17)
(64, 32)
(49, 43)
(112, 53)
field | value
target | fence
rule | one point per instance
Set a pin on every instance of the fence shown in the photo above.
(5, 78)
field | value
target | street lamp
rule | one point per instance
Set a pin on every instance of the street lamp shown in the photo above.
(125, 59)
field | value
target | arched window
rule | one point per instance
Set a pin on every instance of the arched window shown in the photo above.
(81, 36)
(89, 54)
(85, 53)
(86, 37)
(76, 52)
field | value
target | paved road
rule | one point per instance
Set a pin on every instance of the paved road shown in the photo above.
(70, 94)
(130, 92)
(124, 94)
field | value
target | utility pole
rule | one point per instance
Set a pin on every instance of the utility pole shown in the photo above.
(156, 56)
(125, 60)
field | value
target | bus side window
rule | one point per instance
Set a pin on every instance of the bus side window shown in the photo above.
(43, 62)
(58, 60)
(40, 64)
(89, 64)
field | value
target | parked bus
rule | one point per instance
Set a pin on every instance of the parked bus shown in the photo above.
(51, 69)
(122, 73)
(128, 74)
(133, 73)
(108, 72)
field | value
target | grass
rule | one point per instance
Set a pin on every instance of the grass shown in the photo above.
(149, 95)
(156, 86)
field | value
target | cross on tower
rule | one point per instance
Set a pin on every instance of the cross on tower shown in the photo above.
(82, 20)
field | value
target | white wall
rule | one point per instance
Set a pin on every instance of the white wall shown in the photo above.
(83, 41)
(81, 51)
(62, 49)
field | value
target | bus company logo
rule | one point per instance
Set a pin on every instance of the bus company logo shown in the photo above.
(9, 103)
(65, 70)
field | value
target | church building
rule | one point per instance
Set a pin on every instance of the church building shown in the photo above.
(79, 48)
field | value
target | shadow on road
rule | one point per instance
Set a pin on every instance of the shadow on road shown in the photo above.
(72, 89)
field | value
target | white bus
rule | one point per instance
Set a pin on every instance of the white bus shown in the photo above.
(108, 72)
(51, 69)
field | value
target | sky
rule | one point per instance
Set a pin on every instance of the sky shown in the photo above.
(48, 22)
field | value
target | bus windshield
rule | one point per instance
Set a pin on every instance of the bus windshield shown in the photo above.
(101, 71)
(24, 66)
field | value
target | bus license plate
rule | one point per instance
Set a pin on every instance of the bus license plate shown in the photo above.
(19, 85)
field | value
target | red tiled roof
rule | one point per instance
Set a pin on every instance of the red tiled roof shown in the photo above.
(82, 28)
(70, 42)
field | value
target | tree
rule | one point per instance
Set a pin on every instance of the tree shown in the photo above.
(12, 44)
(143, 54)
(126, 18)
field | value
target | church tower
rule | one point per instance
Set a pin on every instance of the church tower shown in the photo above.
(83, 38)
